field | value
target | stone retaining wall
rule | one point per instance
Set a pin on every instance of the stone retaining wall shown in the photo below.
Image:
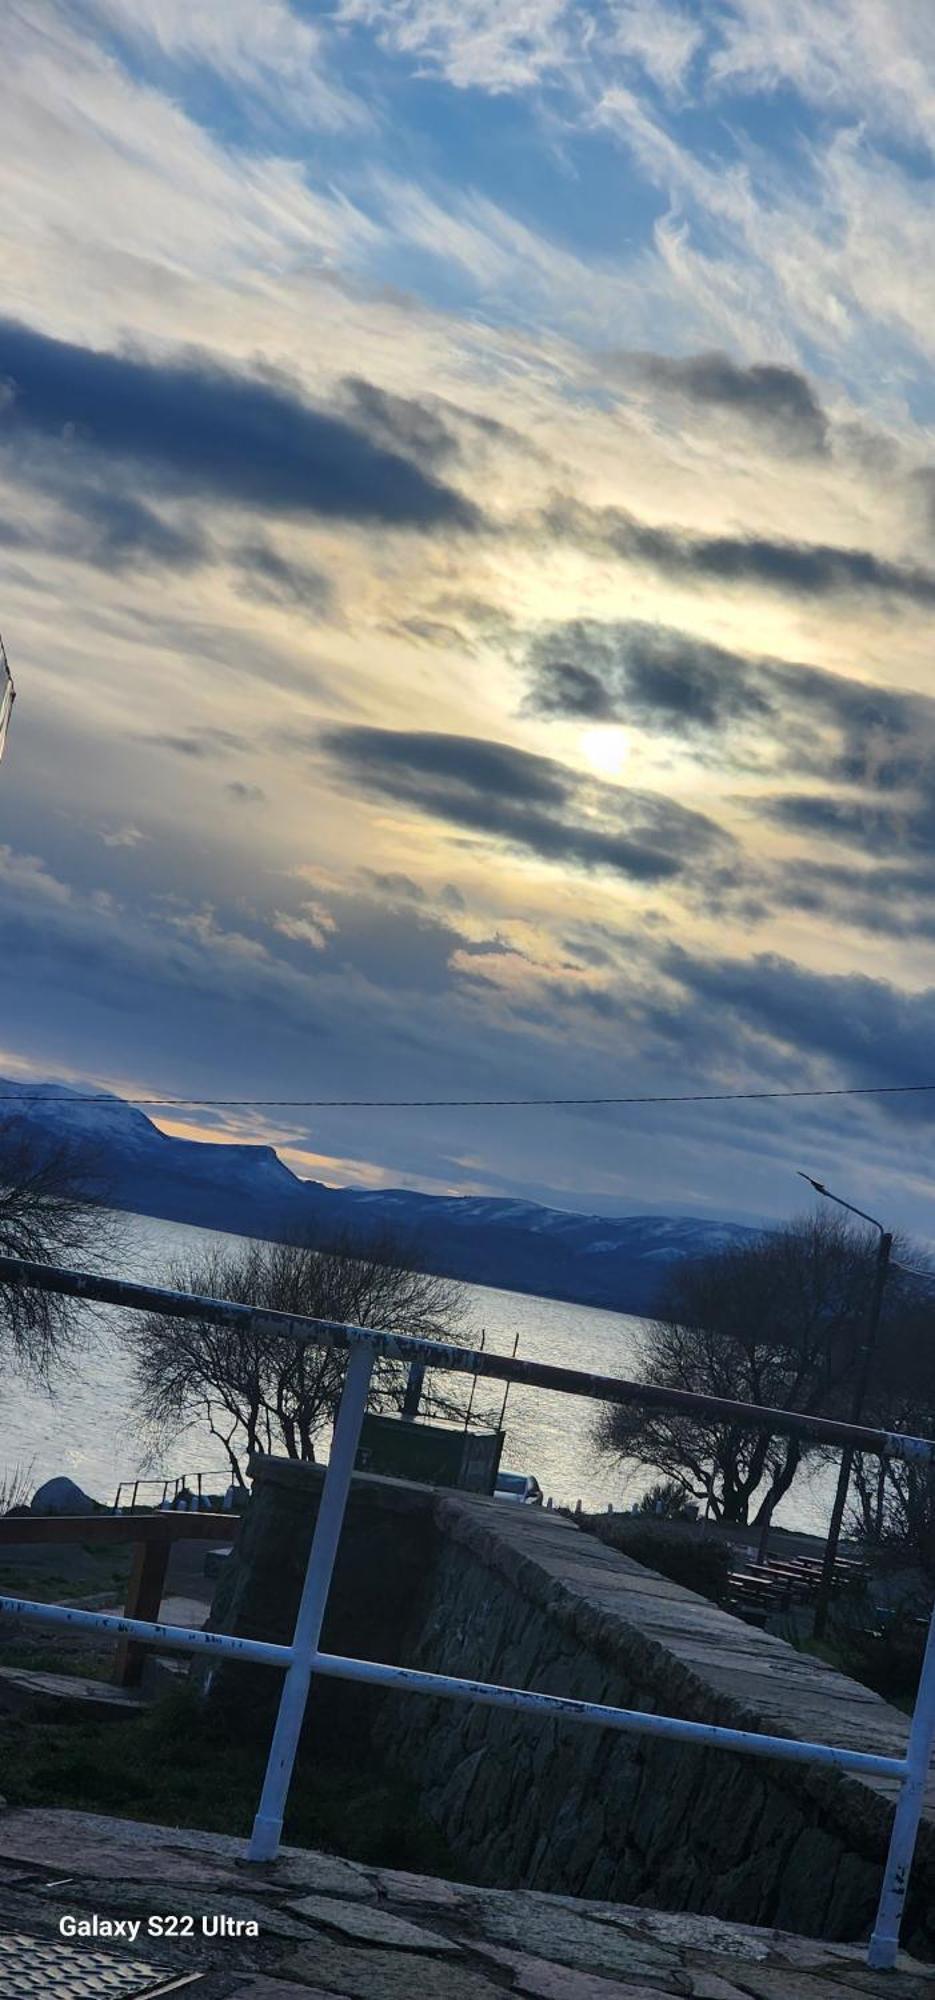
(459, 1585)
(529, 1601)
(383, 1571)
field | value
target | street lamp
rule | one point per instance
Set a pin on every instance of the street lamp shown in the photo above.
(7, 696)
(861, 1380)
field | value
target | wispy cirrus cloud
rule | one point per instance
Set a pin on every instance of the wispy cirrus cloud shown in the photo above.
(277, 59)
(479, 45)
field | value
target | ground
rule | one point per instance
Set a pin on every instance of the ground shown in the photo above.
(330, 1927)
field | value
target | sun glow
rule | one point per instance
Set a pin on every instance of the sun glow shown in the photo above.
(606, 749)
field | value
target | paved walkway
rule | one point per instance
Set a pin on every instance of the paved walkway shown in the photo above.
(328, 1927)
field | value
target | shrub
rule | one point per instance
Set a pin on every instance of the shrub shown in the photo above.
(669, 1501)
(886, 1656)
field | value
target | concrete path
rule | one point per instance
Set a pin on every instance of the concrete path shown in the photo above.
(331, 1927)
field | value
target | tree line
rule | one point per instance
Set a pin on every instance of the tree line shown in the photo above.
(781, 1322)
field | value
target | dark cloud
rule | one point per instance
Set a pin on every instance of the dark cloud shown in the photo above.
(474, 616)
(782, 713)
(430, 429)
(525, 801)
(246, 795)
(468, 624)
(491, 947)
(873, 1032)
(114, 530)
(200, 428)
(893, 826)
(892, 900)
(869, 754)
(428, 632)
(104, 525)
(470, 765)
(779, 399)
(393, 885)
(273, 579)
(399, 423)
(797, 569)
(648, 674)
(200, 743)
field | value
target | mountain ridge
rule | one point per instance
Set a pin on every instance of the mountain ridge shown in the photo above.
(615, 1262)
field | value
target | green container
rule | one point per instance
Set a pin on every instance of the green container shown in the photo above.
(431, 1454)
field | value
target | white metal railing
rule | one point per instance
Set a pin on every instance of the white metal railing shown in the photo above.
(178, 1485)
(304, 1657)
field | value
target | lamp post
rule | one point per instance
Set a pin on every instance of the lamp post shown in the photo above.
(7, 696)
(861, 1380)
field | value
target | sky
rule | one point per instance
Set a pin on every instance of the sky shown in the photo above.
(467, 557)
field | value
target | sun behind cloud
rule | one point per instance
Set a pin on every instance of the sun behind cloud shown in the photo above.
(606, 749)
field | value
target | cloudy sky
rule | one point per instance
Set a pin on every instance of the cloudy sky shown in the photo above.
(467, 532)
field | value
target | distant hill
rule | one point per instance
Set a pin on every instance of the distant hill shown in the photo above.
(520, 1246)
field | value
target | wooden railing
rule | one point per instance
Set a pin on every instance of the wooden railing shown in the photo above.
(151, 1536)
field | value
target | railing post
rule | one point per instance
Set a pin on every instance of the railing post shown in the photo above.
(884, 1943)
(267, 1826)
(144, 1597)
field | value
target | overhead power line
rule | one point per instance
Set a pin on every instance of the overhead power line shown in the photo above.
(459, 1103)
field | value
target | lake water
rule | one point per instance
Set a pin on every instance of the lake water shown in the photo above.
(87, 1428)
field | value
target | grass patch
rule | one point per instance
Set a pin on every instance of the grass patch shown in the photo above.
(85, 1663)
(176, 1766)
(91, 1571)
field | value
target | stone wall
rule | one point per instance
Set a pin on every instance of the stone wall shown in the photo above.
(528, 1600)
(460, 1585)
(382, 1574)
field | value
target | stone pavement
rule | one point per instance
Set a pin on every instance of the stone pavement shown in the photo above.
(329, 1928)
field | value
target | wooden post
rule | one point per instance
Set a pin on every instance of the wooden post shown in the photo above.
(144, 1596)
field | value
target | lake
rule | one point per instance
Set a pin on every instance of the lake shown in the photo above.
(87, 1430)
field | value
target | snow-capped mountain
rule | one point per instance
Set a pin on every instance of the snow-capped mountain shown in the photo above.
(522, 1246)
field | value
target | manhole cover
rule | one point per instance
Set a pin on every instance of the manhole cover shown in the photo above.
(35, 1969)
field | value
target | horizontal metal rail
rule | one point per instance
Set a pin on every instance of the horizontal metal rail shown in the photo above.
(168, 1638)
(452, 1687)
(460, 1360)
(633, 1721)
(304, 1656)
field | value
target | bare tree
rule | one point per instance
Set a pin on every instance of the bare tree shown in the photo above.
(257, 1391)
(17, 1484)
(50, 1213)
(894, 1500)
(777, 1323)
